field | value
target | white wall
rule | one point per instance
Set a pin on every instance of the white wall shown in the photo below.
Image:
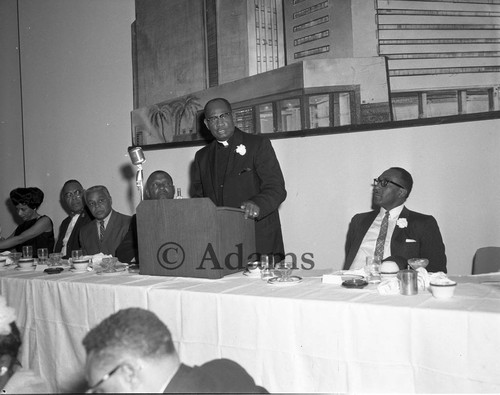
(77, 95)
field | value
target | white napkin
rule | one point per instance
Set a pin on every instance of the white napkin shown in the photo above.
(389, 286)
(425, 278)
(97, 258)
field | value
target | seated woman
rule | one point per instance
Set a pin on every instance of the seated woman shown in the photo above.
(36, 230)
(13, 379)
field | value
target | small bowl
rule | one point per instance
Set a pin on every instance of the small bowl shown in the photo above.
(443, 289)
(25, 263)
(80, 265)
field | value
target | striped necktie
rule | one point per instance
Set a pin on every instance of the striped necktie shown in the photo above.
(101, 231)
(379, 247)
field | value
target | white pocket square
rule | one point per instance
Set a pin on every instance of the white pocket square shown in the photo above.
(410, 241)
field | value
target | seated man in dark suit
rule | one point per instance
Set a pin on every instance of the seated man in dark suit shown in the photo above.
(68, 238)
(393, 232)
(132, 351)
(109, 227)
(158, 186)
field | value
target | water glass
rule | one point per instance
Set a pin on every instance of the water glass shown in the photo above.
(55, 258)
(284, 269)
(43, 255)
(27, 251)
(108, 264)
(76, 255)
(266, 267)
(372, 269)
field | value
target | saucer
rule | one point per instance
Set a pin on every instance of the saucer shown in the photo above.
(119, 267)
(73, 270)
(25, 269)
(354, 283)
(292, 281)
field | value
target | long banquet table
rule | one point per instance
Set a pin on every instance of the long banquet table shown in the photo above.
(310, 337)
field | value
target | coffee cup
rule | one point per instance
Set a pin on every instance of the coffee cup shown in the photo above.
(80, 265)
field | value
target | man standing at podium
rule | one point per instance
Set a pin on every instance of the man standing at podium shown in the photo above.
(241, 170)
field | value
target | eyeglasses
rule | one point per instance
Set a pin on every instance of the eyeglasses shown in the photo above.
(223, 117)
(106, 377)
(384, 181)
(75, 194)
(100, 202)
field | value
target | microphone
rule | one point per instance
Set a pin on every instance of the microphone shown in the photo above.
(137, 157)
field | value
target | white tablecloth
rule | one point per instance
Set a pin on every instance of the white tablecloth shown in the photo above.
(310, 337)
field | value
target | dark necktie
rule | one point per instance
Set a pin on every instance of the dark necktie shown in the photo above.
(101, 231)
(379, 247)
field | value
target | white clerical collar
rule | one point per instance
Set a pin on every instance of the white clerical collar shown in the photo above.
(224, 143)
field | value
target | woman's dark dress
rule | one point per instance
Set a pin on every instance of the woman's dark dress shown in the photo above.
(44, 240)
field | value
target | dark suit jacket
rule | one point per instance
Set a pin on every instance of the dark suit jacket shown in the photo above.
(217, 376)
(254, 176)
(115, 232)
(129, 246)
(421, 228)
(74, 239)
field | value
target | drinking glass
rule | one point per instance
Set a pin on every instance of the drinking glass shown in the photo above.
(108, 264)
(27, 251)
(285, 270)
(76, 255)
(55, 258)
(372, 269)
(266, 267)
(43, 255)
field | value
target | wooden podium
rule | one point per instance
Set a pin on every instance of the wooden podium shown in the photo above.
(193, 238)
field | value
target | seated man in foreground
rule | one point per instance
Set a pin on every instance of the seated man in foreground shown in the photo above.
(158, 186)
(106, 232)
(132, 351)
(392, 231)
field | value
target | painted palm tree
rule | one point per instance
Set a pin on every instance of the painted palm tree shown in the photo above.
(161, 116)
(185, 107)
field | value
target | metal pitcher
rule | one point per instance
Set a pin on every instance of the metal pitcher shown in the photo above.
(408, 284)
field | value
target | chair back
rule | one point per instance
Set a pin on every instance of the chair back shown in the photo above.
(486, 260)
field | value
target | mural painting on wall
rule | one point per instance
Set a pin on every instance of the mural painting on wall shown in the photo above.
(168, 122)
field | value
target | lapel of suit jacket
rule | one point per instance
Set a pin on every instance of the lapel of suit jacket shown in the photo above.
(399, 234)
(235, 141)
(111, 223)
(211, 164)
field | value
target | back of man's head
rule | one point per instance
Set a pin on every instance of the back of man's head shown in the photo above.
(131, 331)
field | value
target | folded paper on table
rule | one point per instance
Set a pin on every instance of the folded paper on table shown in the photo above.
(339, 276)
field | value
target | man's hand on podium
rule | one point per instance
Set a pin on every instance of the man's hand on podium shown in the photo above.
(251, 209)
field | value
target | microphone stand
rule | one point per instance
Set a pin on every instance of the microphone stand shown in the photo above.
(138, 181)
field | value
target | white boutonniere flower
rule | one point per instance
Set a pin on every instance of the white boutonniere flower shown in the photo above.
(402, 223)
(241, 149)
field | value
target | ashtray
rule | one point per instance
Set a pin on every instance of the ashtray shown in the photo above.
(354, 283)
